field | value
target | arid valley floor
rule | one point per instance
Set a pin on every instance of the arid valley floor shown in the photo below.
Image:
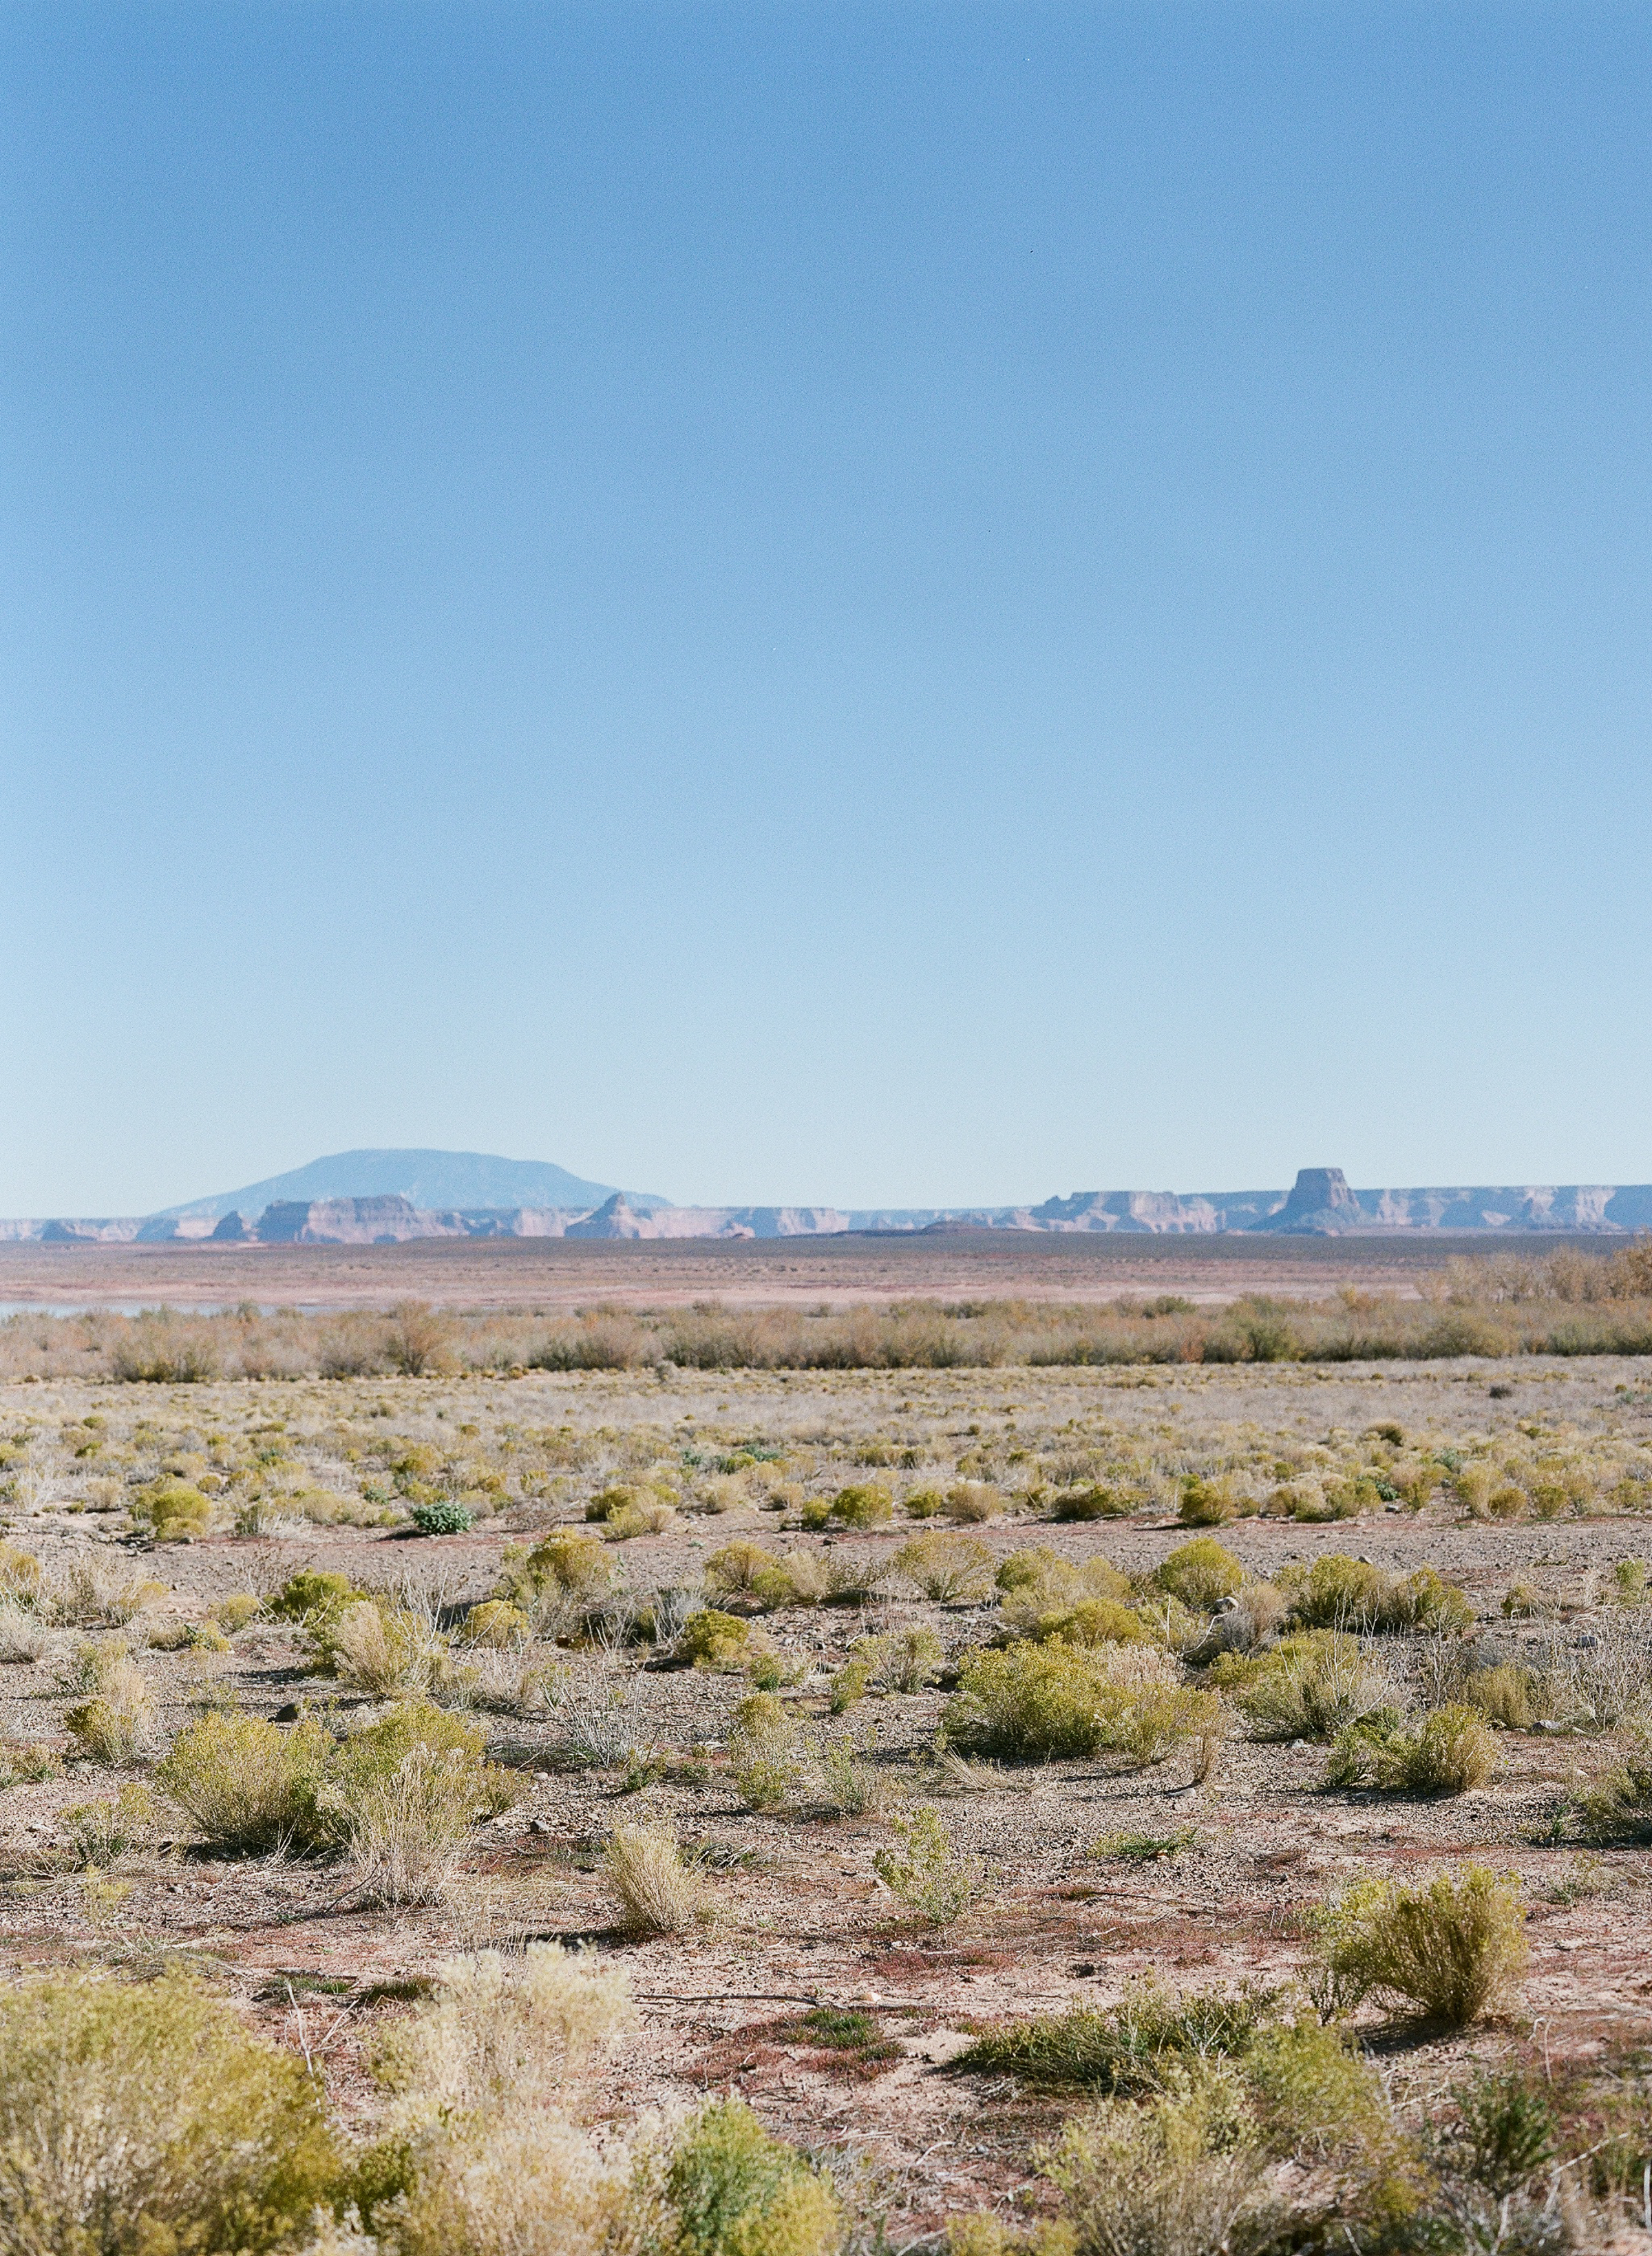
(1201, 1867)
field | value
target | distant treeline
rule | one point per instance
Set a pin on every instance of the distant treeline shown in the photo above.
(1565, 1304)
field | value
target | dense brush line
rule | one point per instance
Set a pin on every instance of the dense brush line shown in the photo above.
(1478, 1311)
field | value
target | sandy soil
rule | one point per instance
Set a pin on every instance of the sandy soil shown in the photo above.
(802, 1918)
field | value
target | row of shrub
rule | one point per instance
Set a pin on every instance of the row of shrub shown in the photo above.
(167, 1346)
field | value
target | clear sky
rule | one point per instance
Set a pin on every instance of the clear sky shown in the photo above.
(815, 602)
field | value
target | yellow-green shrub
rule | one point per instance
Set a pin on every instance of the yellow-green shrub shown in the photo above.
(245, 1783)
(312, 1592)
(1339, 1592)
(734, 2191)
(867, 1503)
(233, 1613)
(1206, 1502)
(495, 1624)
(1089, 1622)
(140, 2118)
(1449, 1952)
(1200, 1574)
(172, 1510)
(567, 1560)
(1033, 1701)
(713, 1640)
(1310, 1686)
(1451, 1751)
(929, 1873)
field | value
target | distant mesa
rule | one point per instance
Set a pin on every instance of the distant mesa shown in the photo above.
(388, 1198)
(431, 1182)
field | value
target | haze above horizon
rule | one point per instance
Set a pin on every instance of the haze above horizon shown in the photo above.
(889, 605)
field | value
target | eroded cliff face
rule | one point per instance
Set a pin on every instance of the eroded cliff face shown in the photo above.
(1320, 1203)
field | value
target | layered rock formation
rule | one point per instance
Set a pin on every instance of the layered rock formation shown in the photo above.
(1321, 1203)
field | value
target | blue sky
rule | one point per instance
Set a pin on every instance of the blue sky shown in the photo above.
(878, 604)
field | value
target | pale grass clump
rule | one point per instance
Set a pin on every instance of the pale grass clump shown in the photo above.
(118, 1726)
(485, 2078)
(516, 2185)
(806, 1572)
(389, 1650)
(1174, 2176)
(504, 2033)
(23, 1635)
(949, 1569)
(407, 1831)
(85, 1597)
(659, 1893)
(596, 1714)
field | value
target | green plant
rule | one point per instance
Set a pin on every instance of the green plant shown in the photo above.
(1206, 1502)
(566, 1563)
(1144, 1848)
(1452, 1752)
(1087, 1622)
(928, 1872)
(1339, 1592)
(171, 1510)
(734, 2191)
(101, 1833)
(1200, 1574)
(851, 1682)
(1092, 1501)
(1037, 1702)
(138, 2118)
(845, 2031)
(313, 1592)
(766, 1751)
(1615, 1808)
(949, 1569)
(1311, 1686)
(246, 1784)
(712, 1639)
(1504, 2131)
(235, 1612)
(1449, 1951)
(1508, 1695)
(868, 1503)
(1127, 2049)
(893, 1660)
(444, 1516)
(496, 1624)
(659, 1893)
(744, 1567)
(850, 1785)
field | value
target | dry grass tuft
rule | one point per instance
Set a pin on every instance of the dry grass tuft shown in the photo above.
(659, 1893)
